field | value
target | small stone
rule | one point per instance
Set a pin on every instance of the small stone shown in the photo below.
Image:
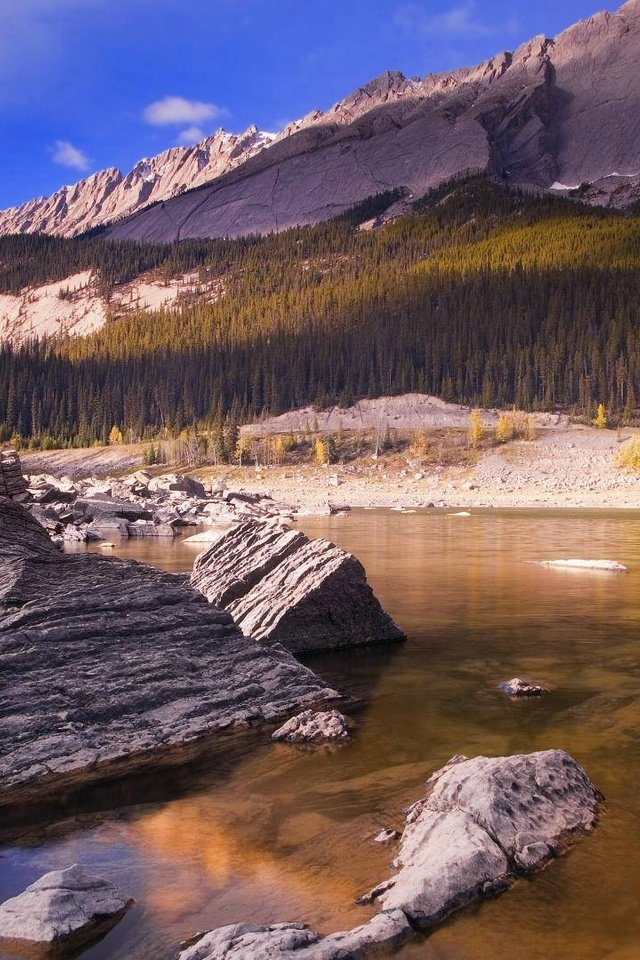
(313, 727)
(521, 688)
(386, 836)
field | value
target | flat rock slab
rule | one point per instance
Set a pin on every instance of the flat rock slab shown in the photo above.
(105, 660)
(60, 905)
(295, 941)
(280, 586)
(312, 726)
(483, 823)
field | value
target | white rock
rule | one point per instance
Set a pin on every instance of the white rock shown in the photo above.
(312, 727)
(483, 823)
(521, 688)
(60, 904)
(294, 941)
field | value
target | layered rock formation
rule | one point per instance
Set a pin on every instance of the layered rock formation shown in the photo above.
(12, 483)
(279, 586)
(62, 905)
(554, 114)
(106, 663)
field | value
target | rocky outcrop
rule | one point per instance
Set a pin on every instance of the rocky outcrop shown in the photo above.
(279, 586)
(140, 505)
(313, 726)
(483, 823)
(295, 941)
(62, 905)
(12, 483)
(106, 664)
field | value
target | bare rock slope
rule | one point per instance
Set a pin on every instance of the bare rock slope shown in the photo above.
(106, 663)
(279, 585)
(556, 114)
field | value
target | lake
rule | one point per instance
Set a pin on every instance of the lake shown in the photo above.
(269, 832)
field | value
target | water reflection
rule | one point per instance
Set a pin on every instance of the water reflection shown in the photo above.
(276, 833)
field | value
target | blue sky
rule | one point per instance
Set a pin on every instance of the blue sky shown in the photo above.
(86, 84)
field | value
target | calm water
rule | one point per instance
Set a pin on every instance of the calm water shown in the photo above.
(277, 833)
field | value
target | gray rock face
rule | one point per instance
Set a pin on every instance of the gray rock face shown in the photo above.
(294, 941)
(313, 726)
(280, 586)
(62, 904)
(483, 823)
(12, 483)
(105, 660)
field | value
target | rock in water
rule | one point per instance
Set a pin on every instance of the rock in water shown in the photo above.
(105, 660)
(12, 483)
(522, 688)
(313, 727)
(295, 941)
(62, 904)
(280, 586)
(483, 823)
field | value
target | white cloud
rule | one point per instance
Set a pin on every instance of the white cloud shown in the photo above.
(457, 22)
(67, 155)
(177, 111)
(186, 138)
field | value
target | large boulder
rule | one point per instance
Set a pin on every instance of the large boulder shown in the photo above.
(12, 483)
(280, 586)
(61, 905)
(483, 823)
(107, 663)
(295, 941)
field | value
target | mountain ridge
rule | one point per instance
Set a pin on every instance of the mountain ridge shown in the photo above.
(553, 114)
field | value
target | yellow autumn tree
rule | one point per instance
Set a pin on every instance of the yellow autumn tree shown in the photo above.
(601, 417)
(477, 430)
(321, 451)
(116, 435)
(504, 428)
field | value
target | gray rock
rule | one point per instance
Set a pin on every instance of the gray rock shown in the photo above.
(279, 586)
(522, 688)
(176, 483)
(106, 663)
(313, 726)
(12, 483)
(294, 941)
(483, 823)
(386, 836)
(61, 904)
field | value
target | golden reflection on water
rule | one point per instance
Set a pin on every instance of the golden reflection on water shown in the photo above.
(282, 833)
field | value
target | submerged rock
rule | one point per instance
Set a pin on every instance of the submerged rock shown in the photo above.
(313, 727)
(522, 688)
(608, 566)
(483, 823)
(280, 586)
(61, 905)
(105, 663)
(295, 941)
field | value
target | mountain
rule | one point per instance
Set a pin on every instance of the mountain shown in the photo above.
(560, 114)
(109, 195)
